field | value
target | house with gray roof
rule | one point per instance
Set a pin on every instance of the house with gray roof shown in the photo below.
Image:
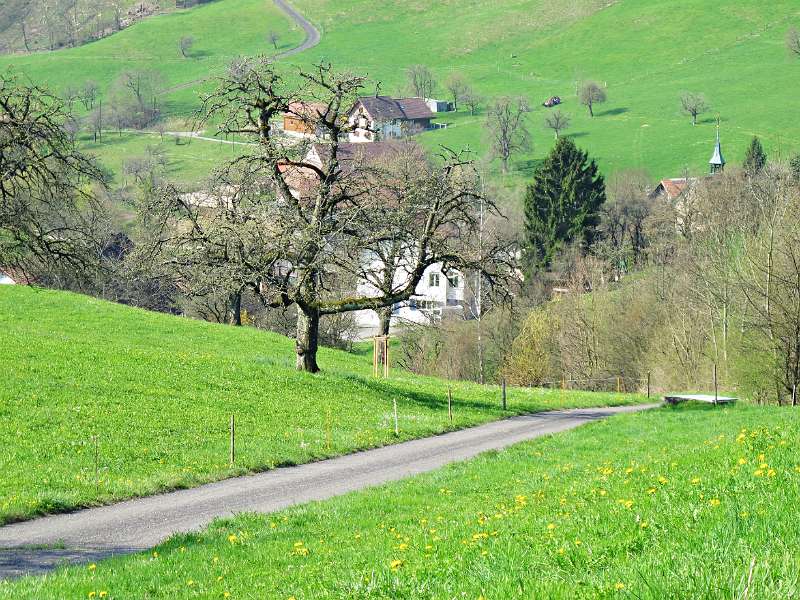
(377, 118)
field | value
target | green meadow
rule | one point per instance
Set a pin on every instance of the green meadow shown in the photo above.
(689, 502)
(647, 53)
(157, 392)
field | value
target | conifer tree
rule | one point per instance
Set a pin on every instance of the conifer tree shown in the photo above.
(755, 160)
(562, 204)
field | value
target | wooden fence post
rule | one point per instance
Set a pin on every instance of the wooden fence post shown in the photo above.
(794, 395)
(396, 424)
(96, 461)
(232, 456)
(504, 393)
(648, 384)
(716, 385)
(450, 403)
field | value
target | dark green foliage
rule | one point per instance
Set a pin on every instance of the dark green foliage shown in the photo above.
(794, 166)
(562, 204)
(755, 160)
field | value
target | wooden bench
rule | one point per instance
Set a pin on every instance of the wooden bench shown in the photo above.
(710, 399)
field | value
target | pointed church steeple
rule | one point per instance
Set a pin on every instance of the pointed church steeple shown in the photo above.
(717, 161)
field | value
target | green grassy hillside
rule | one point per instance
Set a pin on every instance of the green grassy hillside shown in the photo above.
(158, 392)
(646, 52)
(694, 502)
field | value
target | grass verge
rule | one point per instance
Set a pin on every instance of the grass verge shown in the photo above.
(687, 502)
(157, 392)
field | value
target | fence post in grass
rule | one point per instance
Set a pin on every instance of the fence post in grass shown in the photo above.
(504, 393)
(648, 384)
(618, 385)
(233, 440)
(396, 424)
(96, 461)
(794, 395)
(716, 385)
(450, 403)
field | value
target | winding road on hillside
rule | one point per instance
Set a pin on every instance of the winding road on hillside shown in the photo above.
(313, 38)
(89, 535)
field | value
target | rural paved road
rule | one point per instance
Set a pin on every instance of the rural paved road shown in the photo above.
(312, 33)
(135, 525)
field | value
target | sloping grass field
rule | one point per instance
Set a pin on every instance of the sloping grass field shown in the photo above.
(690, 502)
(647, 53)
(157, 393)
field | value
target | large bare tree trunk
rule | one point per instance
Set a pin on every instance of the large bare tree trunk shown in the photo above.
(385, 315)
(235, 308)
(307, 342)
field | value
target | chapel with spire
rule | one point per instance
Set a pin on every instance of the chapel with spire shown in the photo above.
(717, 161)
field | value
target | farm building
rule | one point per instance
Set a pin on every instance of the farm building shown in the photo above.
(301, 119)
(376, 118)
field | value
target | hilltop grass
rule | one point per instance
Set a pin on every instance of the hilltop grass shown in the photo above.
(158, 392)
(539, 48)
(672, 503)
(533, 48)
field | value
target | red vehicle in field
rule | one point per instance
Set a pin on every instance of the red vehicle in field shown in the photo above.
(552, 101)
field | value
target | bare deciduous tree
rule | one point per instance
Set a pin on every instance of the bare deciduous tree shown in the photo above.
(472, 100)
(694, 104)
(557, 121)
(49, 218)
(287, 227)
(506, 128)
(421, 81)
(793, 41)
(456, 86)
(185, 45)
(273, 39)
(88, 94)
(591, 93)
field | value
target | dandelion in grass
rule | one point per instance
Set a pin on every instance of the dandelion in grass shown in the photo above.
(619, 586)
(396, 565)
(92, 567)
(551, 526)
(714, 502)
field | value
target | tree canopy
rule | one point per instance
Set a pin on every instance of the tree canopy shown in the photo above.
(563, 203)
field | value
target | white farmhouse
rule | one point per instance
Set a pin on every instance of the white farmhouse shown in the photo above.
(379, 118)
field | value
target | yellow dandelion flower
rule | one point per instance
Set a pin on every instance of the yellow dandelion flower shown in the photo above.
(714, 502)
(742, 461)
(232, 538)
(578, 542)
(103, 594)
(695, 480)
(643, 525)
(402, 547)
(758, 472)
(561, 551)
(190, 583)
(92, 594)
(771, 473)
(551, 526)
(396, 564)
(652, 491)
(92, 567)
(619, 586)
(662, 480)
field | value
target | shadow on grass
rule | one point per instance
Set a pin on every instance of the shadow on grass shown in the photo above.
(612, 111)
(389, 389)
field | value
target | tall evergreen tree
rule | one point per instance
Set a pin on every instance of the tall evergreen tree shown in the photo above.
(562, 205)
(755, 159)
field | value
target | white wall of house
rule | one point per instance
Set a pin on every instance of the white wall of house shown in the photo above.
(436, 294)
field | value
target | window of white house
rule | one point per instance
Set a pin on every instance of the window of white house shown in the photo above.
(454, 280)
(433, 280)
